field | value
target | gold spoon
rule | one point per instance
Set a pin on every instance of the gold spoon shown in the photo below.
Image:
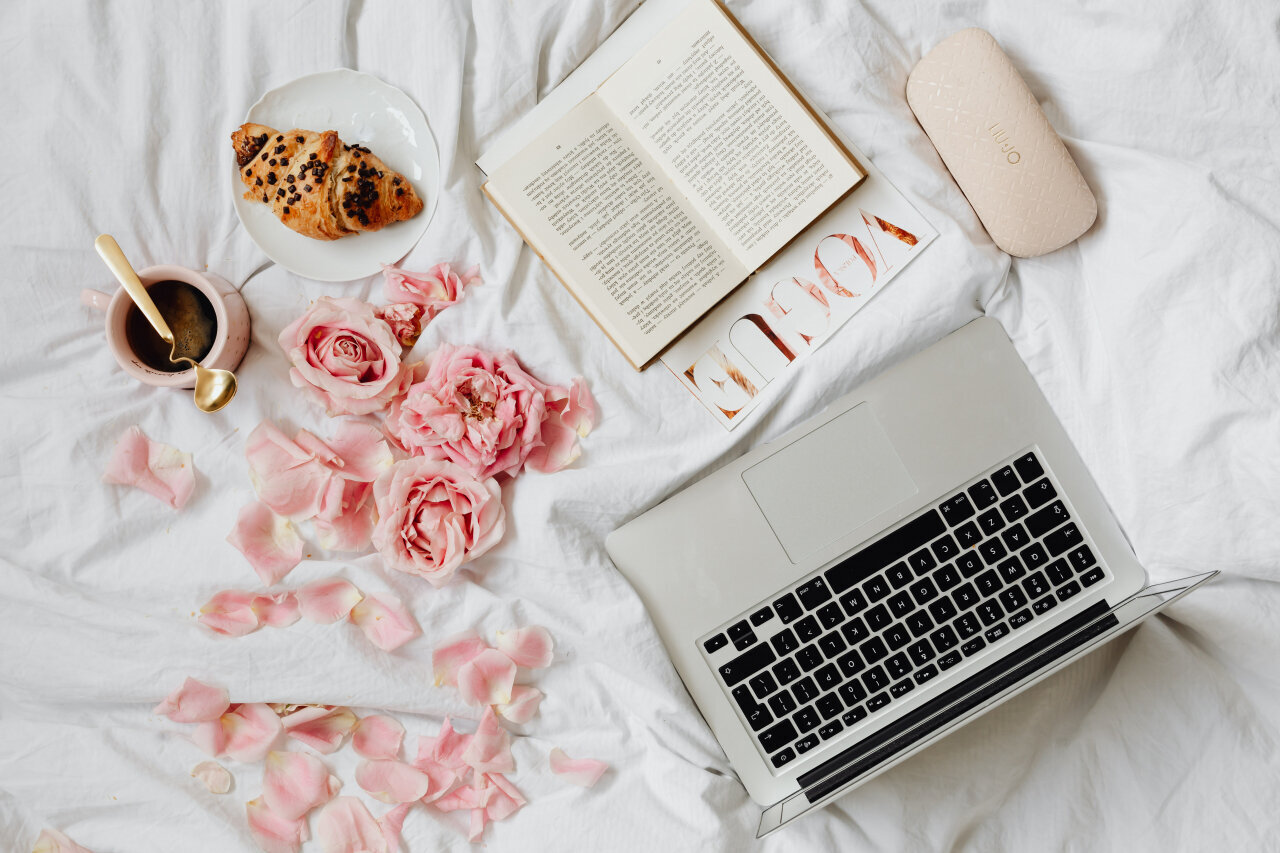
(214, 388)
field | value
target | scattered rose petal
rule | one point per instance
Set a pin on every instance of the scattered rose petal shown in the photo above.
(504, 800)
(268, 541)
(279, 610)
(531, 647)
(210, 738)
(478, 819)
(391, 825)
(523, 705)
(52, 841)
(457, 650)
(346, 519)
(345, 826)
(441, 777)
(385, 621)
(487, 679)
(449, 746)
(490, 747)
(362, 450)
(327, 600)
(321, 728)
(194, 702)
(274, 834)
(378, 736)
(214, 776)
(158, 469)
(435, 289)
(251, 731)
(392, 781)
(293, 783)
(230, 613)
(466, 797)
(570, 414)
(287, 477)
(584, 772)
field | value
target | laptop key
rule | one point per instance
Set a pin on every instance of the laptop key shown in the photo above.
(784, 642)
(877, 588)
(875, 703)
(873, 649)
(1059, 572)
(781, 703)
(853, 715)
(956, 509)
(787, 608)
(1014, 508)
(902, 688)
(945, 549)
(899, 575)
(897, 637)
(924, 591)
(1013, 598)
(738, 629)
(745, 641)
(715, 643)
(1006, 482)
(965, 596)
(1028, 467)
(1092, 576)
(852, 693)
(898, 665)
(942, 610)
(988, 583)
(780, 735)
(809, 658)
(759, 718)
(746, 665)
(1045, 604)
(949, 660)
(991, 523)
(1034, 556)
(901, 604)
(1015, 538)
(786, 671)
(921, 652)
(1010, 569)
(921, 563)
(831, 729)
(887, 550)
(813, 592)
(967, 625)
(854, 602)
(1040, 523)
(1036, 584)
(874, 679)
(850, 664)
(995, 632)
(1067, 590)
(919, 623)
(1081, 558)
(974, 646)
(745, 700)
(925, 673)
(832, 644)
(829, 706)
(855, 631)
(831, 615)
(944, 638)
(807, 629)
(1063, 538)
(1022, 617)
(878, 617)
(990, 612)
(761, 616)
(946, 577)
(784, 757)
(827, 677)
(969, 564)
(763, 684)
(968, 535)
(807, 743)
(1040, 493)
(805, 690)
(983, 494)
(992, 551)
(807, 719)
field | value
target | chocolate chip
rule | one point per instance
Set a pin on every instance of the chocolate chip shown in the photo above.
(279, 138)
(286, 208)
(298, 139)
(248, 171)
(351, 168)
(399, 191)
(264, 198)
(284, 161)
(257, 182)
(290, 179)
(264, 156)
(307, 187)
(313, 156)
(395, 182)
(271, 177)
(271, 162)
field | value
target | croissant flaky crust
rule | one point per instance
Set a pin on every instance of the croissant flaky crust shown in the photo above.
(318, 185)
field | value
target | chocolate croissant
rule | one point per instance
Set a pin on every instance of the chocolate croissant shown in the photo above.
(318, 185)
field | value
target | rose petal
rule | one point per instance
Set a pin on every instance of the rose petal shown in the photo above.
(362, 449)
(487, 679)
(446, 659)
(158, 469)
(440, 776)
(345, 826)
(230, 613)
(478, 818)
(392, 781)
(327, 600)
(214, 776)
(378, 736)
(580, 413)
(584, 772)
(323, 729)
(385, 621)
(279, 610)
(52, 841)
(392, 823)
(194, 702)
(293, 783)
(531, 647)
(504, 800)
(490, 747)
(287, 477)
(523, 705)
(268, 541)
(209, 737)
(347, 517)
(275, 834)
(251, 731)
(466, 797)
(449, 745)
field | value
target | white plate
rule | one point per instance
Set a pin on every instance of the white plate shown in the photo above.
(361, 109)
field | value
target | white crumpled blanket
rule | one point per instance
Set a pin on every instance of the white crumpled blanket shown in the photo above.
(1155, 338)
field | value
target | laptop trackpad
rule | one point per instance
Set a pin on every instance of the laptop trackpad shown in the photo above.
(829, 482)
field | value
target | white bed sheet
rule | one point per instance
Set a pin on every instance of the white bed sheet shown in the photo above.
(1155, 338)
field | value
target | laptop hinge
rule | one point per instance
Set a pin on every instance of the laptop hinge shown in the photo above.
(937, 712)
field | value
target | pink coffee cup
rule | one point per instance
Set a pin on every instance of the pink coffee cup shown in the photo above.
(231, 338)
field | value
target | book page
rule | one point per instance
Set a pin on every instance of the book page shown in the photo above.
(612, 226)
(732, 136)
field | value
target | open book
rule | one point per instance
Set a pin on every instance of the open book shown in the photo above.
(677, 178)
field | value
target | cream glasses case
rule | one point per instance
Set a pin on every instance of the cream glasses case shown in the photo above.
(997, 143)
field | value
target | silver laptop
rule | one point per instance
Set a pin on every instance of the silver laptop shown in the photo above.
(925, 548)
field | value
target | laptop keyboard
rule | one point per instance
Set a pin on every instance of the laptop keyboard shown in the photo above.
(964, 574)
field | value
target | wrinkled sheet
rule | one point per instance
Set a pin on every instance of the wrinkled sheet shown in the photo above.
(1154, 337)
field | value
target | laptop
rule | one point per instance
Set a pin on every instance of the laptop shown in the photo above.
(926, 548)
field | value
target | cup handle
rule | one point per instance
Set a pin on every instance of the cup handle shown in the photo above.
(95, 299)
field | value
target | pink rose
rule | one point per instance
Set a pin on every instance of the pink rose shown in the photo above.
(345, 356)
(406, 321)
(433, 516)
(482, 411)
(435, 289)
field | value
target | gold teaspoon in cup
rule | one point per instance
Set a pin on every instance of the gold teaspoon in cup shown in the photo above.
(214, 388)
